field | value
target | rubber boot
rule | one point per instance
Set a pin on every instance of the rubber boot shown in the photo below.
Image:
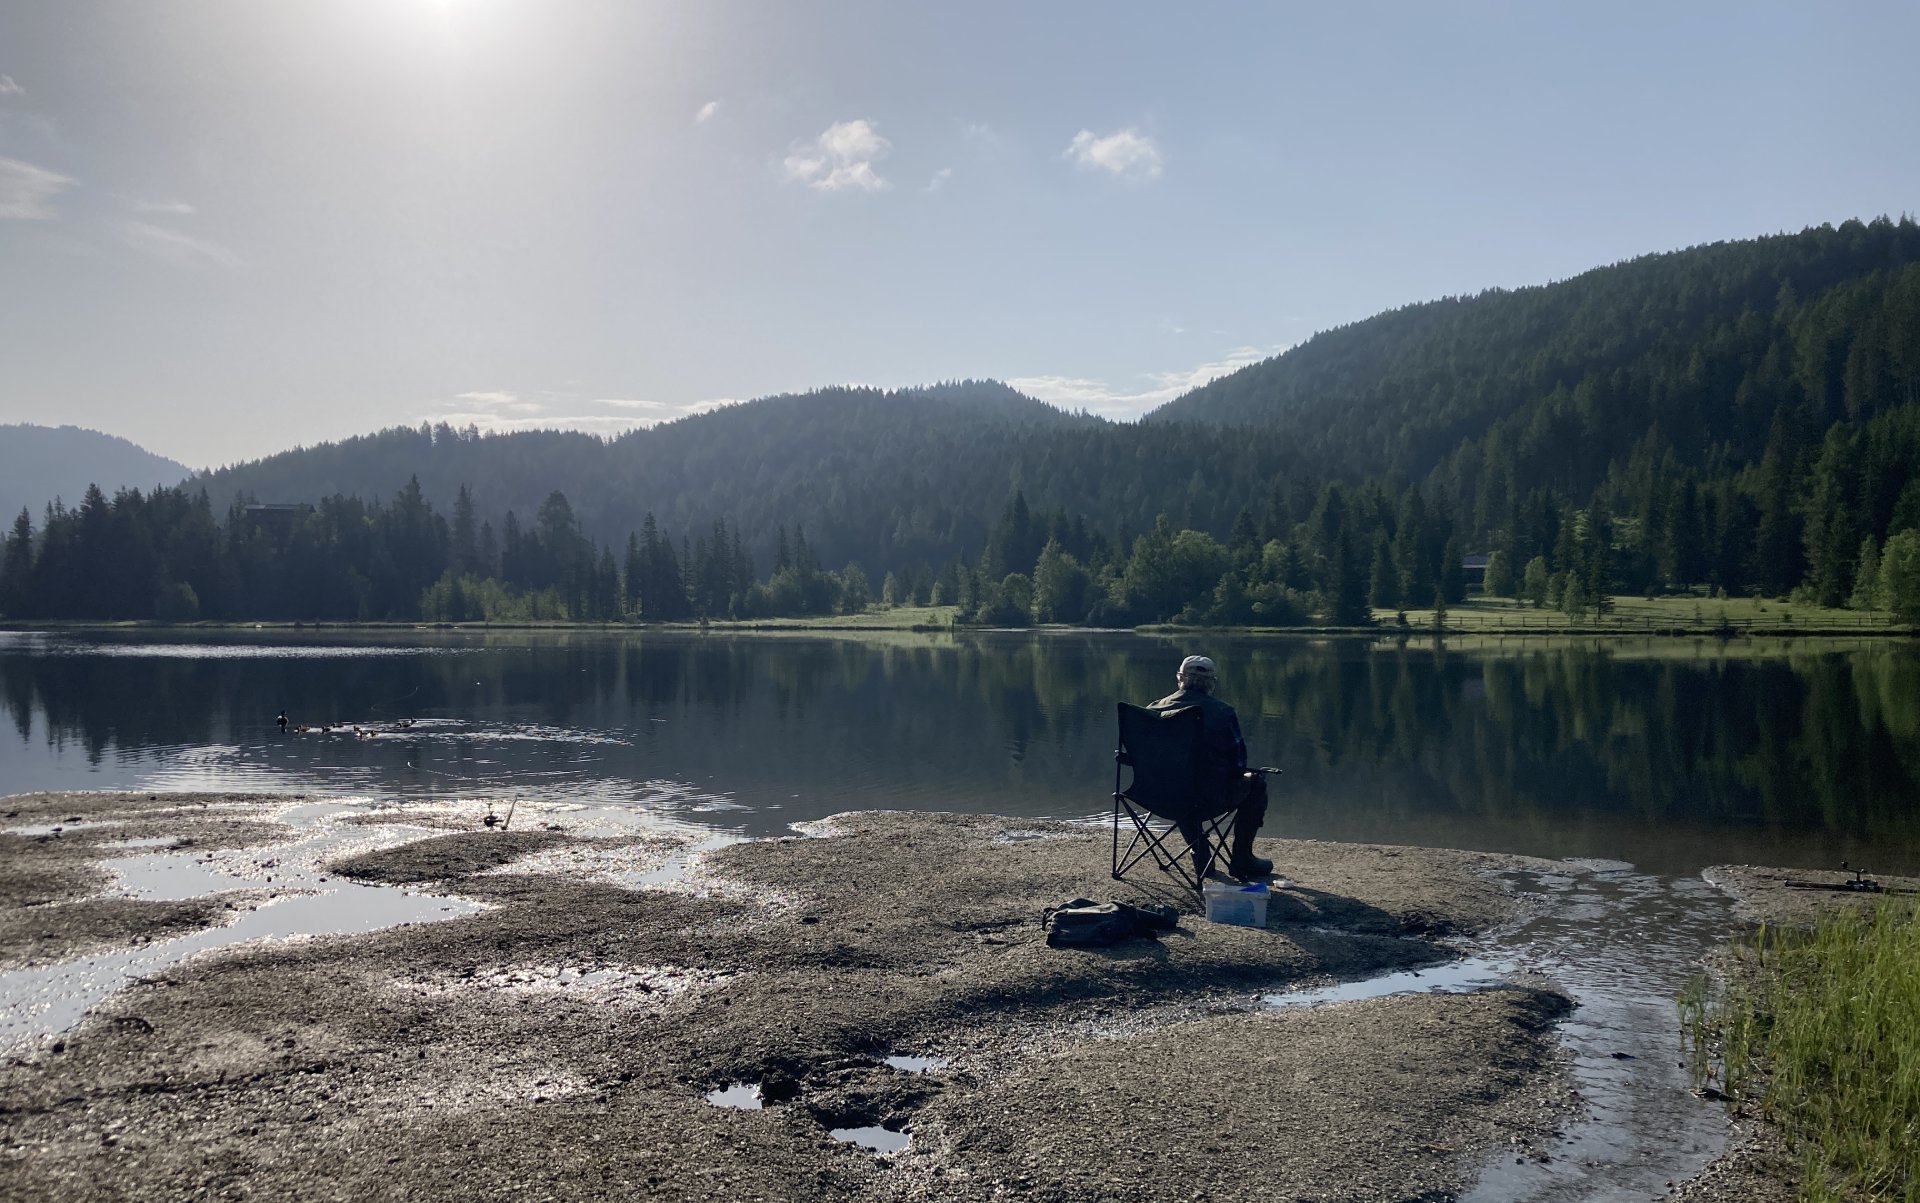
(1245, 866)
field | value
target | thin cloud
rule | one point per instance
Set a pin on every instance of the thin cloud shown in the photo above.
(497, 401)
(1107, 400)
(167, 207)
(1127, 154)
(498, 411)
(707, 112)
(26, 191)
(841, 159)
(9, 88)
(183, 250)
(939, 180)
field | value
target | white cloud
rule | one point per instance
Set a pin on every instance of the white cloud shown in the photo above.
(707, 112)
(183, 250)
(840, 159)
(939, 179)
(1097, 396)
(498, 401)
(1128, 154)
(979, 131)
(497, 410)
(25, 190)
(9, 88)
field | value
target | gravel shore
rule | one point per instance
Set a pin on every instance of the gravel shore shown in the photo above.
(557, 1004)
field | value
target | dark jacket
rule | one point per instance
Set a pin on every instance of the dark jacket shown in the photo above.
(1226, 751)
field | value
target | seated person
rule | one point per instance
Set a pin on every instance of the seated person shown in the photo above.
(1226, 784)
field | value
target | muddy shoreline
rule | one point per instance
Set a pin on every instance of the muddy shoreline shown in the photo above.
(562, 997)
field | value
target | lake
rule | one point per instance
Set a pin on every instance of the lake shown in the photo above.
(1670, 754)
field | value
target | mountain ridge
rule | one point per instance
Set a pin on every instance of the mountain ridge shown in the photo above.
(40, 463)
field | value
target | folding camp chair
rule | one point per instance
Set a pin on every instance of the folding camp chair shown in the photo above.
(1164, 804)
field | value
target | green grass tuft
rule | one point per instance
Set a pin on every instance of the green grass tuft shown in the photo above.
(1821, 1031)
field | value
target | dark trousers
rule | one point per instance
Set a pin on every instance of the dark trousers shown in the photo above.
(1243, 793)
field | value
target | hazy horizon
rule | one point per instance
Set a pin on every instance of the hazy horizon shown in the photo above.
(231, 229)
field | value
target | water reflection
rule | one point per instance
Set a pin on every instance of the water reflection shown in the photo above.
(1670, 755)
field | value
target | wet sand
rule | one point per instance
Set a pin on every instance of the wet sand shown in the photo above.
(561, 998)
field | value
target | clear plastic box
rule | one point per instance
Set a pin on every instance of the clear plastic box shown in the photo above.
(1242, 906)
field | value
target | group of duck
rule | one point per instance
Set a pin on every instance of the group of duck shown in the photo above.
(358, 732)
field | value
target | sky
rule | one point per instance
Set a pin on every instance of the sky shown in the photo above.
(230, 227)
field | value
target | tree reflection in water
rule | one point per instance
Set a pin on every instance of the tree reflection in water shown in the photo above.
(1672, 755)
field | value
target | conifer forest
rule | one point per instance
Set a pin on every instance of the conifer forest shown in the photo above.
(1741, 418)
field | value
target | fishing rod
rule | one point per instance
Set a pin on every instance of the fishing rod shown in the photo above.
(1861, 884)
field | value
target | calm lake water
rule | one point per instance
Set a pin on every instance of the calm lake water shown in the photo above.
(1671, 755)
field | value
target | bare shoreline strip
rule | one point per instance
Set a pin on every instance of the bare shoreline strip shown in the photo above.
(556, 1034)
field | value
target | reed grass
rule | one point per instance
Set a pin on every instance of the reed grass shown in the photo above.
(1820, 1030)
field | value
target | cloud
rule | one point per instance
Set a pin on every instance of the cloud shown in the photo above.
(183, 250)
(979, 131)
(1128, 154)
(707, 112)
(497, 410)
(25, 190)
(840, 159)
(171, 207)
(9, 88)
(939, 180)
(496, 402)
(1097, 396)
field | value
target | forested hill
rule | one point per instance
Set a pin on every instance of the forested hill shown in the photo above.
(40, 463)
(888, 479)
(1558, 386)
(1743, 417)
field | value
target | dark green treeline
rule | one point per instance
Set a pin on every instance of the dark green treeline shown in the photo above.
(1742, 417)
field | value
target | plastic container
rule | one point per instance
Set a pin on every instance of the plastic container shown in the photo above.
(1242, 906)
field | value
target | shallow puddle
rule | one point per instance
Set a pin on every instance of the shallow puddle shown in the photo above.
(742, 1096)
(674, 871)
(44, 1000)
(916, 1065)
(43, 830)
(1623, 944)
(1464, 976)
(874, 1138)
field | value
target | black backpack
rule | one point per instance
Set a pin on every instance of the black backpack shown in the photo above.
(1084, 923)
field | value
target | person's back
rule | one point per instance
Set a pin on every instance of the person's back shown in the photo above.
(1220, 729)
(1226, 784)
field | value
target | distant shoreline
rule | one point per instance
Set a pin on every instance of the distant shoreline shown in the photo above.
(1419, 628)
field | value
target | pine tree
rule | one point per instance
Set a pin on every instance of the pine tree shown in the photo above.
(1866, 578)
(16, 569)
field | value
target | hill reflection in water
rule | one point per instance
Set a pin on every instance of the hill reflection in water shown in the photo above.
(1671, 755)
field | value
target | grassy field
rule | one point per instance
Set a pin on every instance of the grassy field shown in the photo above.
(1821, 1031)
(904, 618)
(1656, 615)
(1476, 616)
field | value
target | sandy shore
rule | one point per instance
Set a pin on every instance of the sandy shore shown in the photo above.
(548, 1022)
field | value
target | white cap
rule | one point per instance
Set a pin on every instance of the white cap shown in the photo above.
(1196, 664)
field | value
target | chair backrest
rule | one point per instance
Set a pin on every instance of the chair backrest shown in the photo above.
(1163, 747)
